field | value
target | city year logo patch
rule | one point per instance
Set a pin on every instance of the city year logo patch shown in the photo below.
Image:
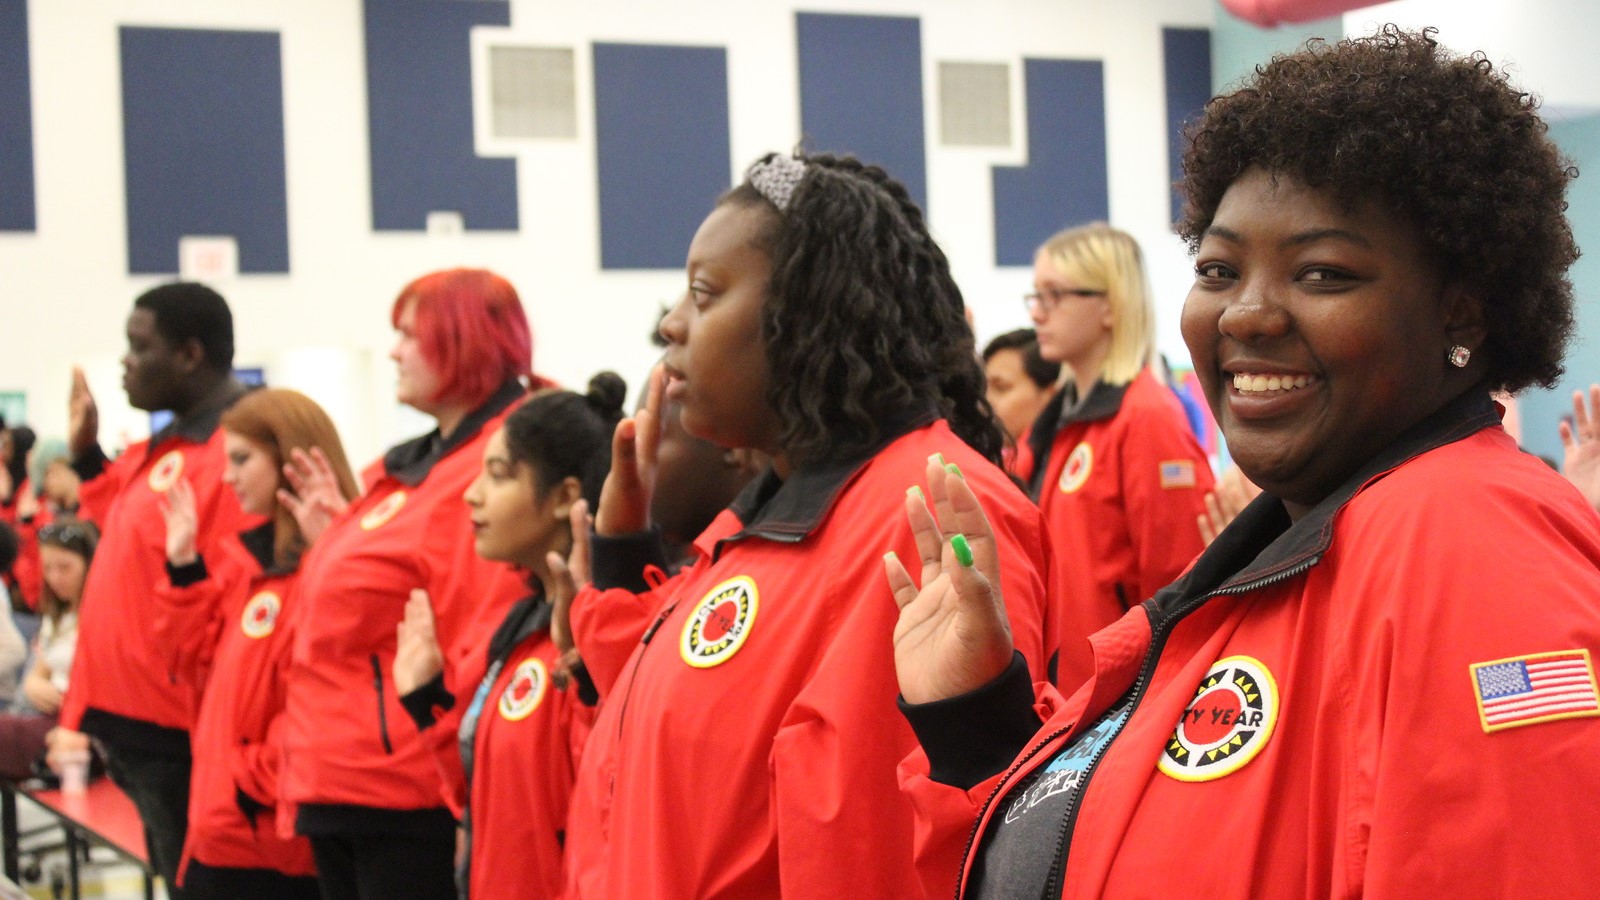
(384, 511)
(260, 615)
(166, 472)
(525, 691)
(719, 624)
(1077, 469)
(1230, 719)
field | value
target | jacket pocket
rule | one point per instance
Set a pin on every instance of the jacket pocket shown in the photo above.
(383, 714)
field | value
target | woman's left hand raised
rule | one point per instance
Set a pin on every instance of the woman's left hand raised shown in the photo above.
(952, 636)
(177, 507)
(417, 658)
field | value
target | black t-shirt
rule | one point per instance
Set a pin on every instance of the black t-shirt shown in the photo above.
(1027, 835)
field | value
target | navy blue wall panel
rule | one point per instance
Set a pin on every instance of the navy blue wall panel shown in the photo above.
(419, 111)
(1064, 182)
(1187, 56)
(662, 146)
(16, 120)
(202, 129)
(861, 92)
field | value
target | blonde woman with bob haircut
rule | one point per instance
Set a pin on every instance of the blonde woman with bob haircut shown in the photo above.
(1111, 460)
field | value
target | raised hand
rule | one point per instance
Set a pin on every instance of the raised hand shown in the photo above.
(313, 496)
(625, 497)
(1232, 494)
(417, 658)
(1580, 444)
(569, 576)
(952, 636)
(177, 507)
(83, 417)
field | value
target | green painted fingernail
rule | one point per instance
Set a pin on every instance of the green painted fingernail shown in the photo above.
(956, 470)
(937, 458)
(915, 491)
(963, 550)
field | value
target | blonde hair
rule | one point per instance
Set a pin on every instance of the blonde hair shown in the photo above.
(1097, 257)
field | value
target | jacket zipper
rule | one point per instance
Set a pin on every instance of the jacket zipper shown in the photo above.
(383, 716)
(1160, 631)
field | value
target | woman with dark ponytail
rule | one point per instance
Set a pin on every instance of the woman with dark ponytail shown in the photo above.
(749, 743)
(519, 738)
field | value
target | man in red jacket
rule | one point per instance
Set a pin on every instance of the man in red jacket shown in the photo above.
(180, 357)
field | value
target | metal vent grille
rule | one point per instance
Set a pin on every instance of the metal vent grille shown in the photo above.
(974, 104)
(532, 92)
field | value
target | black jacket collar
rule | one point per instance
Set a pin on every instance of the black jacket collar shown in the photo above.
(787, 510)
(409, 463)
(1262, 545)
(260, 542)
(1103, 402)
(527, 616)
(199, 425)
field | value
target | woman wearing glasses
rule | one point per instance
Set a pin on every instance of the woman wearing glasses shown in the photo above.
(1111, 460)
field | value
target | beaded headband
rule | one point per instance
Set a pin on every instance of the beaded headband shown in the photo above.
(776, 177)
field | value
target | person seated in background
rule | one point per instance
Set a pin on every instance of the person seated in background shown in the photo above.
(66, 548)
(13, 646)
(1018, 382)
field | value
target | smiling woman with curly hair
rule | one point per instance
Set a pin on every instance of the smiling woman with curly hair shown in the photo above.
(1356, 689)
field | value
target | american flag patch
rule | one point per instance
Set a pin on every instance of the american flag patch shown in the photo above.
(1540, 687)
(1177, 473)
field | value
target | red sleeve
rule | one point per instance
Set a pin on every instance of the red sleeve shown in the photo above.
(187, 621)
(96, 494)
(1165, 480)
(607, 626)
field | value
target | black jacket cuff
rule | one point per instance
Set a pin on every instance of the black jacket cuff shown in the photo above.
(90, 462)
(588, 694)
(619, 561)
(975, 736)
(425, 703)
(190, 573)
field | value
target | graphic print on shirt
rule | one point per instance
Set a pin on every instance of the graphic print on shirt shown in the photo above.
(260, 615)
(720, 623)
(1077, 469)
(1539, 687)
(1055, 784)
(1227, 723)
(384, 511)
(166, 472)
(524, 691)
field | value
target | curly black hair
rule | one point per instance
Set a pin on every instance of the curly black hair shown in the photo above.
(863, 323)
(1442, 140)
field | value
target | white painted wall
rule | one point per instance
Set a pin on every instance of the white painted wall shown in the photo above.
(324, 329)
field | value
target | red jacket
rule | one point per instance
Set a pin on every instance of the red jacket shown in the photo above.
(1122, 486)
(28, 569)
(353, 758)
(1347, 710)
(749, 747)
(526, 736)
(228, 624)
(121, 688)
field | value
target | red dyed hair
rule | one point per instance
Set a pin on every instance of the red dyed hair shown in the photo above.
(472, 330)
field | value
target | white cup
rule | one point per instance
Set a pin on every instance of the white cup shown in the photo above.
(75, 772)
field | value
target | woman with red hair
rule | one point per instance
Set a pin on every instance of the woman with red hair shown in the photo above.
(360, 781)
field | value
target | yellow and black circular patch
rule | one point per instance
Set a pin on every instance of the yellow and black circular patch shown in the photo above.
(260, 615)
(384, 511)
(1077, 469)
(1230, 719)
(166, 472)
(525, 691)
(720, 623)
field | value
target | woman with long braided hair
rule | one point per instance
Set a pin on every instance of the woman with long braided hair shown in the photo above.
(747, 745)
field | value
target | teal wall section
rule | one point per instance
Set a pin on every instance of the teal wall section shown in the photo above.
(1237, 46)
(1541, 410)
